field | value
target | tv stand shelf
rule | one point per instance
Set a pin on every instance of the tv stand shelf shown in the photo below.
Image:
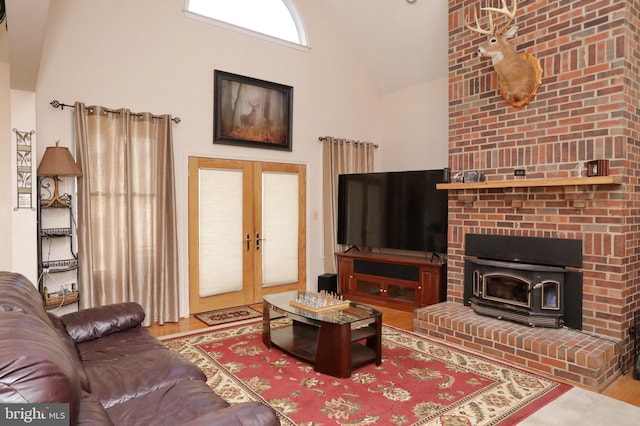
(400, 282)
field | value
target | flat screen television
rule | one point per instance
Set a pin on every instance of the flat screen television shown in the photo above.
(393, 210)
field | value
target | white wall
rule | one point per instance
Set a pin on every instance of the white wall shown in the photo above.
(414, 134)
(6, 205)
(23, 221)
(146, 55)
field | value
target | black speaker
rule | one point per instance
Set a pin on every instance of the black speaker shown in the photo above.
(328, 283)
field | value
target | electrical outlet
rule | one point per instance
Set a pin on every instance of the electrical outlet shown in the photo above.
(519, 172)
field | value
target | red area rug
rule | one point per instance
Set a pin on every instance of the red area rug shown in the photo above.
(420, 382)
(223, 316)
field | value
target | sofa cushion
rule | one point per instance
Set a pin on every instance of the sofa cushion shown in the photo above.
(34, 366)
(250, 413)
(18, 294)
(170, 405)
(70, 348)
(92, 413)
(93, 323)
(130, 364)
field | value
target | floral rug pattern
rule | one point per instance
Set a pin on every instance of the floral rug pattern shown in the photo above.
(420, 382)
(227, 315)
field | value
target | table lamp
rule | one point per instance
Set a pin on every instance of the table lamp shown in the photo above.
(57, 161)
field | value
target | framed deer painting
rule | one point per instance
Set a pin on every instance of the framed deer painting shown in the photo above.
(251, 112)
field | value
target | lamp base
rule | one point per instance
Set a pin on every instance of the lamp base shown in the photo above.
(55, 199)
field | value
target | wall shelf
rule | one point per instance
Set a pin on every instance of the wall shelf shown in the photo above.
(57, 252)
(532, 183)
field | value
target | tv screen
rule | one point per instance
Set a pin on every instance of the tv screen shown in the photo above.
(394, 210)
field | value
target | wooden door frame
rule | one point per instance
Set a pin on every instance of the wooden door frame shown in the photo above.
(251, 213)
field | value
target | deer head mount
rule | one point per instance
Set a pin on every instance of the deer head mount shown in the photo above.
(520, 75)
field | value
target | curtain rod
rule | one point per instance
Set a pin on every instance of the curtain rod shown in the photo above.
(57, 104)
(324, 138)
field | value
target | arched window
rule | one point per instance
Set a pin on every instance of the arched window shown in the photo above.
(275, 18)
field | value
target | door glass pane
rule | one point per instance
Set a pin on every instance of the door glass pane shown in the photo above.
(368, 287)
(550, 295)
(401, 293)
(279, 228)
(220, 231)
(507, 288)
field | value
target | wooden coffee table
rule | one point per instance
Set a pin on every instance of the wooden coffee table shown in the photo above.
(335, 341)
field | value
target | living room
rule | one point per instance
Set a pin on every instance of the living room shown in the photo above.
(150, 56)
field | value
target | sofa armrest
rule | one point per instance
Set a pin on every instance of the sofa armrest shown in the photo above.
(93, 323)
(243, 414)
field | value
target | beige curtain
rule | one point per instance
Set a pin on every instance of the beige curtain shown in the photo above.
(127, 246)
(340, 156)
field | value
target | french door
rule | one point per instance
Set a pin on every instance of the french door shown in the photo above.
(247, 231)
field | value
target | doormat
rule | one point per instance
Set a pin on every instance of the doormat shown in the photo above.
(223, 316)
(420, 382)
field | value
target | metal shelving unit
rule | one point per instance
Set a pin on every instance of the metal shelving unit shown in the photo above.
(57, 252)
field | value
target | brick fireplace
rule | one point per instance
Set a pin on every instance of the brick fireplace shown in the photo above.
(587, 108)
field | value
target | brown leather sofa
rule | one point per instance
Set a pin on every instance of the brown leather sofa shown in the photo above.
(109, 369)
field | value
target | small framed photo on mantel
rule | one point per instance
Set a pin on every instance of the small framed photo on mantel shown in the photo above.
(251, 112)
(598, 168)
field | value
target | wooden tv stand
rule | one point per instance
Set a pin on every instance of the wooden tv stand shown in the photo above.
(399, 282)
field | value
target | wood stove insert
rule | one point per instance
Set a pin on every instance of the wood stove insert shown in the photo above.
(528, 280)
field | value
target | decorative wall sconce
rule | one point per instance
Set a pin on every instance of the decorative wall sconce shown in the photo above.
(57, 161)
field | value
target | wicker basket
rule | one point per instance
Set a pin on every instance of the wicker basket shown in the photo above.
(60, 298)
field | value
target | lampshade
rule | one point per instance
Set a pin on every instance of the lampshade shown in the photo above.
(57, 161)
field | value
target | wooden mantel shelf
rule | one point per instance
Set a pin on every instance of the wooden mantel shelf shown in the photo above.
(531, 183)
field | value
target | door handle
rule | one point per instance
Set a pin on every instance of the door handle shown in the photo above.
(258, 239)
(248, 241)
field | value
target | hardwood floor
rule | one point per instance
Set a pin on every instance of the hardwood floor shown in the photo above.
(625, 388)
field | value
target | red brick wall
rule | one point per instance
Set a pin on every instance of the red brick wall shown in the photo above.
(586, 108)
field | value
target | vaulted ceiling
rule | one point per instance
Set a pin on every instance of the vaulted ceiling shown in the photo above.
(21, 45)
(401, 43)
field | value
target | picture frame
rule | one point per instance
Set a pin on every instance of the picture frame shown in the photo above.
(598, 168)
(251, 112)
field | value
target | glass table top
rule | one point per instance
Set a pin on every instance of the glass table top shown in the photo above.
(340, 315)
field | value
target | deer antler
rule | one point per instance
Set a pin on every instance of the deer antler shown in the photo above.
(504, 10)
(478, 29)
(510, 14)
